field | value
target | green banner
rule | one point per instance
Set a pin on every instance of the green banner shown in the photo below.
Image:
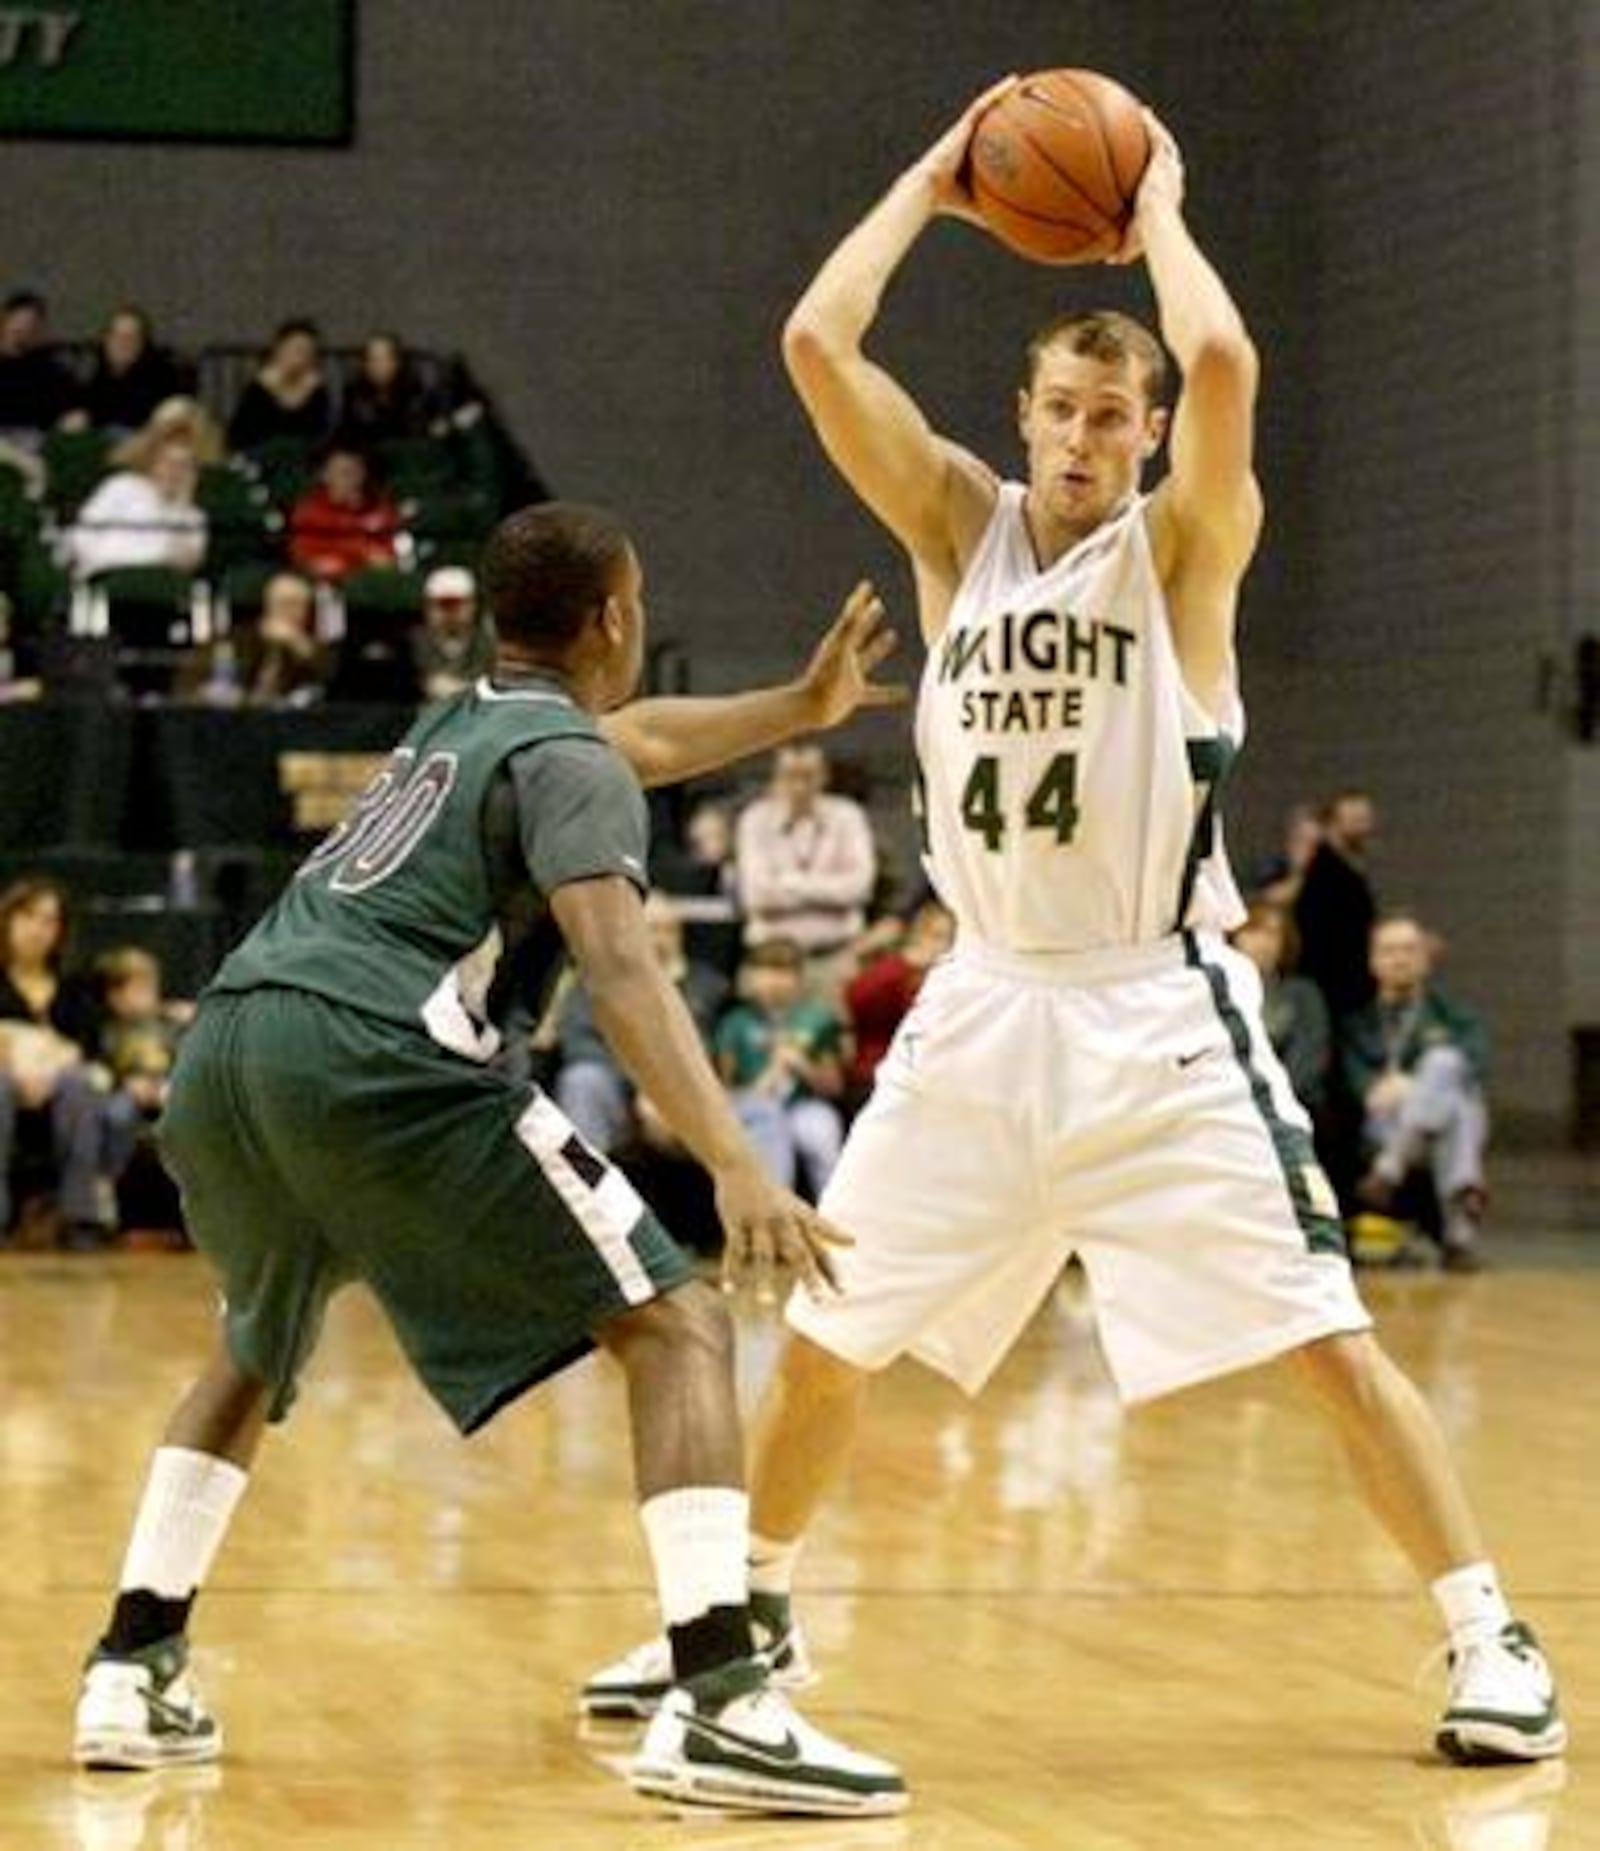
(179, 70)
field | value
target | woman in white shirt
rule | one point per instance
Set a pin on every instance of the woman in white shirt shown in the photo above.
(142, 517)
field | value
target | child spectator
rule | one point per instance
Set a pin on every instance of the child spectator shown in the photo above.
(345, 523)
(137, 1041)
(878, 998)
(779, 1051)
(288, 396)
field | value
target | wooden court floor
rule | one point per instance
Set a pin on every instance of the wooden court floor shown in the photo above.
(1172, 1631)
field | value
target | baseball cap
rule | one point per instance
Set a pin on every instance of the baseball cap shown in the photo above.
(450, 582)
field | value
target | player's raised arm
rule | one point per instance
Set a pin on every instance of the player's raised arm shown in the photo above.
(666, 741)
(931, 495)
(1206, 518)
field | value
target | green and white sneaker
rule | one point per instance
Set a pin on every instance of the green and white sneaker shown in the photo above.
(631, 1689)
(730, 1742)
(1502, 1704)
(143, 1711)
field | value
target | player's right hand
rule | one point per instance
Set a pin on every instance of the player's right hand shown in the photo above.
(945, 165)
(770, 1235)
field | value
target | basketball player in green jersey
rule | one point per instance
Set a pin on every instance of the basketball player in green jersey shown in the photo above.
(1088, 1071)
(334, 1117)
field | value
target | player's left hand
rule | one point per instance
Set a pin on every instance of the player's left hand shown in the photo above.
(838, 679)
(1160, 189)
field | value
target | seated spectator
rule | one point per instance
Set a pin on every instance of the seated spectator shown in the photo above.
(345, 523)
(276, 661)
(48, 1100)
(1416, 1060)
(130, 376)
(175, 420)
(1292, 1009)
(878, 997)
(779, 1051)
(807, 865)
(137, 1041)
(37, 393)
(589, 1086)
(454, 643)
(142, 517)
(385, 401)
(288, 396)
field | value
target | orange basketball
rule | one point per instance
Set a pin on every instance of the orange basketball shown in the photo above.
(1055, 164)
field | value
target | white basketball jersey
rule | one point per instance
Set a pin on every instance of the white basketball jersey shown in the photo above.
(1069, 778)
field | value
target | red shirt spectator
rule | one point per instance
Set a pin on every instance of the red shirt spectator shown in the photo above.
(345, 522)
(878, 999)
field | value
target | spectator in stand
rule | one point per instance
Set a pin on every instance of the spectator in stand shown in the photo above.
(37, 393)
(1417, 1061)
(345, 523)
(1335, 909)
(131, 375)
(276, 661)
(589, 1085)
(288, 396)
(175, 420)
(780, 1051)
(138, 1038)
(142, 517)
(879, 996)
(807, 866)
(454, 643)
(385, 401)
(699, 874)
(47, 1097)
(1292, 1009)
(1278, 878)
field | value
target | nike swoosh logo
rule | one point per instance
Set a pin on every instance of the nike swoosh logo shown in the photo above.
(783, 1754)
(1188, 1060)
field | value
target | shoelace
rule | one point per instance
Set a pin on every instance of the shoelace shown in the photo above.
(1448, 1653)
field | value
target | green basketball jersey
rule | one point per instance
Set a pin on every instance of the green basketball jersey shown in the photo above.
(406, 910)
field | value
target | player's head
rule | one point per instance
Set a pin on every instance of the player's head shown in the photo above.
(1091, 413)
(1401, 955)
(566, 591)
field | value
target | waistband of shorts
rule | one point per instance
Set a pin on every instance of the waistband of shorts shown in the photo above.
(1104, 964)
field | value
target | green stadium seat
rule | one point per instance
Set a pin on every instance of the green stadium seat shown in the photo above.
(75, 462)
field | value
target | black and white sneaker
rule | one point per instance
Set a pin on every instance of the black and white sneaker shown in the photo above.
(142, 1710)
(1502, 1704)
(730, 1741)
(631, 1689)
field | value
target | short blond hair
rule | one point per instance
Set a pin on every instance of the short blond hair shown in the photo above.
(1108, 336)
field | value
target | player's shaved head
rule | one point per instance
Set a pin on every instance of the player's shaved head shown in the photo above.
(546, 568)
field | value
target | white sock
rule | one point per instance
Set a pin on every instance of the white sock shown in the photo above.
(1471, 1602)
(699, 1538)
(772, 1564)
(189, 1500)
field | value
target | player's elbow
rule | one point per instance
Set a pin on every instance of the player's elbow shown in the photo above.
(1225, 358)
(812, 350)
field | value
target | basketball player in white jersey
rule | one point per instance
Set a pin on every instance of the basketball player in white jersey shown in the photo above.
(1088, 1072)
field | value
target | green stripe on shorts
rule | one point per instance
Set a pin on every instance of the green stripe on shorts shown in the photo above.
(1297, 1157)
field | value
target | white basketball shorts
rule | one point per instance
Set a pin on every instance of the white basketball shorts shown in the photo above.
(1123, 1106)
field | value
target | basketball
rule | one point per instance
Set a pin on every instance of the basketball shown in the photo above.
(1055, 165)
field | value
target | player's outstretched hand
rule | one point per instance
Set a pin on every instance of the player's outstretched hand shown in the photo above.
(945, 164)
(1160, 188)
(771, 1236)
(838, 679)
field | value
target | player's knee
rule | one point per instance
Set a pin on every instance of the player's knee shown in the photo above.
(809, 1372)
(1344, 1371)
(690, 1321)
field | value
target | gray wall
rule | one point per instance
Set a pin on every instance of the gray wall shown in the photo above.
(610, 204)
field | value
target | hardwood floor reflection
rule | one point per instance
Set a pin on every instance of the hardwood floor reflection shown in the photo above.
(1075, 1629)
